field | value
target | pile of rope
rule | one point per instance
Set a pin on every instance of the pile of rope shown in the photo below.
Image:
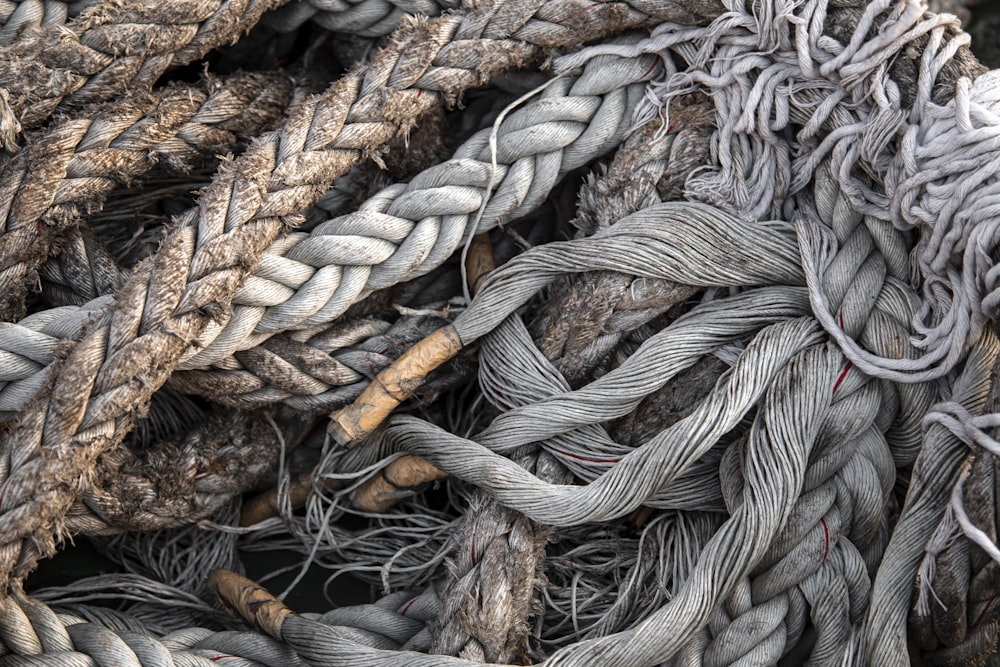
(627, 332)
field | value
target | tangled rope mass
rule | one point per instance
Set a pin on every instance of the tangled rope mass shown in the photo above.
(686, 355)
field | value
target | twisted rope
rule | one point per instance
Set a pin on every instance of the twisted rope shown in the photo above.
(87, 403)
(952, 617)
(818, 567)
(308, 280)
(33, 633)
(16, 16)
(490, 602)
(46, 188)
(114, 48)
(365, 18)
(588, 318)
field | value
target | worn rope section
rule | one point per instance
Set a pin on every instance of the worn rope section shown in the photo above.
(17, 16)
(113, 48)
(873, 106)
(306, 281)
(131, 351)
(365, 18)
(70, 166)
(73, 634)
(588, 318)
(490, 598)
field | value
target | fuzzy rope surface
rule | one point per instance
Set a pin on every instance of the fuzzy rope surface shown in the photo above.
(308, 280)
(113, 48)
(71, 165)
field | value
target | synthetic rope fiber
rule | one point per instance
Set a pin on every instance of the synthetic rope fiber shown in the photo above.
(830, 468)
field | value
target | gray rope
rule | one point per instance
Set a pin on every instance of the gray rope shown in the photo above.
(17, 15)
(365, 18)
(32, 633)
(849, 106)
(306, 281)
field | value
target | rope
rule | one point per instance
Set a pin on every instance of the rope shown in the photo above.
(589, 317)
(35, 634)
(114, 48)
(912, 102)
(490, 603)
(952, 618)
(365, 18)
(307, 280)
(23, 14)
(166, 303)
(75, 162)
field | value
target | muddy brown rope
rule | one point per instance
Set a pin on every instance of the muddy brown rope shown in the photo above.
(115, 47)
(73, 164)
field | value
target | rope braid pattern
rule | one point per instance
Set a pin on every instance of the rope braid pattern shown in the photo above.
(22, 14)
(36, 634)
(115, 47)
(589, 317)
(816, 525)
(923, 99)
(46, 187)
(817, 569)
(365, 18)
(131, 351)
(308, 280)
(490, 602)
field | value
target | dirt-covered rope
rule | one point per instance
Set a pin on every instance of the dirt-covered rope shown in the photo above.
(587, 318)
(115, 47)
(75, 162)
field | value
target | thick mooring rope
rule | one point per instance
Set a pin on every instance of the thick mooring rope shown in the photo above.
(824, 300)
(307, 280)
(366, 18)
(114, 48)
(200, 266)
(75, 162)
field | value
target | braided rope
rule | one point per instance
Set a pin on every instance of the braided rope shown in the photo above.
(113, 48)
(490, 598)
(589, 317)
(365, 18)
(817, 569)
(23, 14)
(45, 189)
(307, 280)
(34, 633)
(87, 402)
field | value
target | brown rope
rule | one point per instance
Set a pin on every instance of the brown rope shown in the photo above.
(89, 400)
(74, 163)
(586, 319)
(176, 483)
(116, 47)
